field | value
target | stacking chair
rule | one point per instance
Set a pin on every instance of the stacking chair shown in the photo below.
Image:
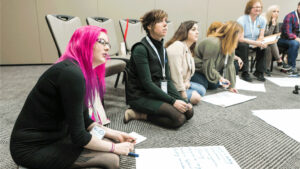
(62, 28)
(116, 64)
(251, 56)
(134, 33)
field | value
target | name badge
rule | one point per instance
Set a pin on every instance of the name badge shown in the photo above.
(164, 86)
(98, 132)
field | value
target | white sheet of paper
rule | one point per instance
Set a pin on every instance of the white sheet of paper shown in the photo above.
(244, 85)
(139, 138)
(210, 157)
(270, 39)
(226, 98)
(285, 81)
(286, 120)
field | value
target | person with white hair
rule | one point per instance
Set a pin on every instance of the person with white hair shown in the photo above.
(272, 28)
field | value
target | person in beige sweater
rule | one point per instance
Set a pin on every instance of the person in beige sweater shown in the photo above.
(214, 58)
(182, 66)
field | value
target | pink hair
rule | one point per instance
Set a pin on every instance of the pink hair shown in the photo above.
(80, 49)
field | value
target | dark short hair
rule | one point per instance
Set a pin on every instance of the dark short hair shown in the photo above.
(299, 4)
(152, 17)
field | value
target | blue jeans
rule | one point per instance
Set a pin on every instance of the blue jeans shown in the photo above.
(195, 87)
(293, 47)
(201, 79)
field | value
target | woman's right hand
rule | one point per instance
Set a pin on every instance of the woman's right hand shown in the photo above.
(184, 95)
(123, 148)
(181, 106)
(274, 21)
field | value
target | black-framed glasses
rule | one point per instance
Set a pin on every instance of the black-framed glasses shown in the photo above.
(103, 42)
(257, 7)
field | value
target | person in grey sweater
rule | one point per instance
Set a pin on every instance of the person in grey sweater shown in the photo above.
(215, 56)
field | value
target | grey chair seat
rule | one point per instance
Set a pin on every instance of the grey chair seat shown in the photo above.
(114, 66)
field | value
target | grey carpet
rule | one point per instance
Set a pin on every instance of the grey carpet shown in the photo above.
(252, 142)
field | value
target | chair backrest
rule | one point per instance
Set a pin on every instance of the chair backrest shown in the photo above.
(280, 25)
(107, 24)
(135, 32)
(170, 32)
(62, 28)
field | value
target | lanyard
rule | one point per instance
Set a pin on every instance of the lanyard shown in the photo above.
(252, 27)
(297, 19)
(155, 50)
(188, 57)
(225, 63)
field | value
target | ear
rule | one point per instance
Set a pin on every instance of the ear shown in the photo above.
(149, 27)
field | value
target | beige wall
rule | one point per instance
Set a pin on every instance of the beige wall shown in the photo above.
(78, 8)
(194, 10)
(20, 35)
(28, 41)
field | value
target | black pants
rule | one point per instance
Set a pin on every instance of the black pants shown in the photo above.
(243, 52)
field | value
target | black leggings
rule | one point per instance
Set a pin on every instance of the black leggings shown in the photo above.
(90, 158)
(243, 52)
(168, 116)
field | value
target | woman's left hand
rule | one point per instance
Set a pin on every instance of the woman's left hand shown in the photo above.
(123, 137)
(190, 106)
(240, 62)
(233, 90)
(187, 85)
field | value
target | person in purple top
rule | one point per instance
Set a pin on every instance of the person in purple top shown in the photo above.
(290, 37)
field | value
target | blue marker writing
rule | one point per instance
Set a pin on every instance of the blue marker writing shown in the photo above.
(223, 83)
(133, 154)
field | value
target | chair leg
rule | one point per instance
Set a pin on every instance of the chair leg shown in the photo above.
(117, 80)
(271, 68)
(102, 100)
(123, 80)
(252, 63)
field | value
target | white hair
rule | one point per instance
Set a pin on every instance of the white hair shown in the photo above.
(269, 12)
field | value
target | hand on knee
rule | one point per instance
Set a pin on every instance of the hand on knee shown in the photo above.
(189, 114)
(195, 98)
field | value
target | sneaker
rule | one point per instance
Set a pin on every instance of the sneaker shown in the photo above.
(293, 71)
(246, 77)
(268, 72)
(286, 66)
(259, 76)
(279, 64)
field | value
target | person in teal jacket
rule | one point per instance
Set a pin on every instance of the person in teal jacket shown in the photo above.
(150, 92)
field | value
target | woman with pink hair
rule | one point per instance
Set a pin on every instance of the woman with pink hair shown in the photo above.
(53, 130)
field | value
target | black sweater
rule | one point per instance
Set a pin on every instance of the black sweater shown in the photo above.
(50, 131)
(145, 73)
